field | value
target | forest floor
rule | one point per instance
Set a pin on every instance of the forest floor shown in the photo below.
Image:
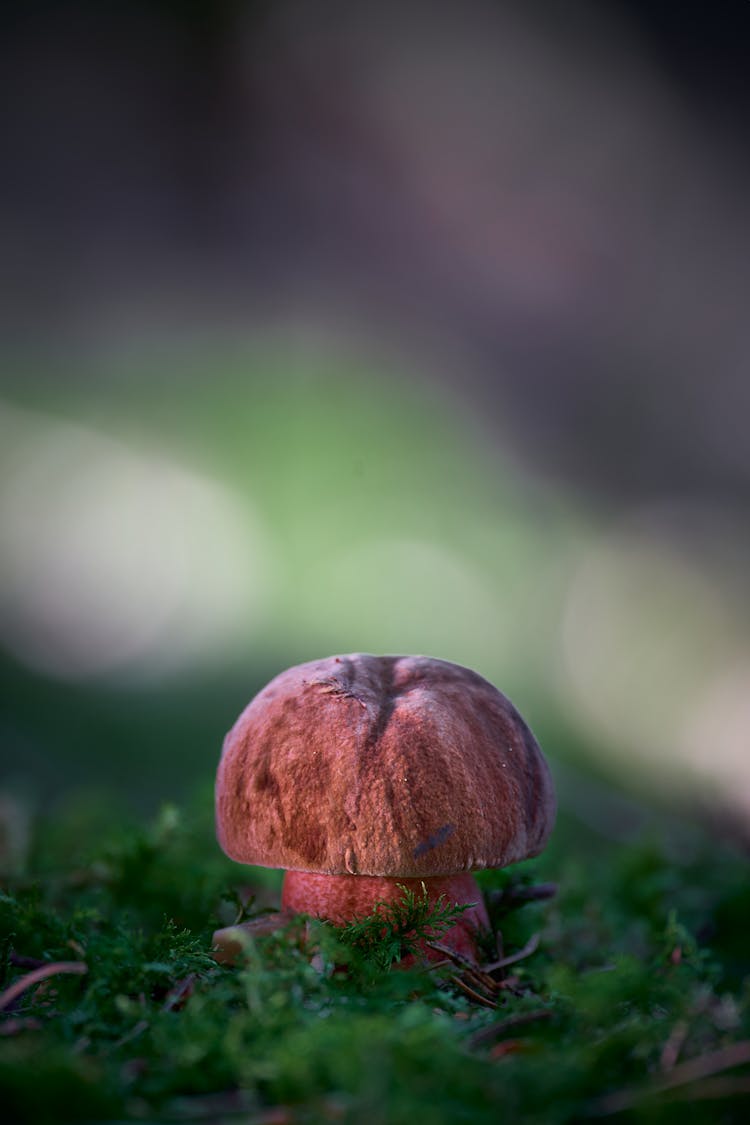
(623, 991)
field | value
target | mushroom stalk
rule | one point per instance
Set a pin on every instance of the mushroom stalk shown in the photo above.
(343, 898)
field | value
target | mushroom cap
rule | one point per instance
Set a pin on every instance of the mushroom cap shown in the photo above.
(382, 765)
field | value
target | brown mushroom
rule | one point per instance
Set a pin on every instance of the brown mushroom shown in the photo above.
(363, 774)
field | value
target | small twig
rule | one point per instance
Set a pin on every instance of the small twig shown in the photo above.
(528, 949)
(483, 980)
(474, 972)
(182, 991)
(468, 966)
(483, 984)
(432, 965)
(497, 1030)
(736, 1054)
(510, 984)
(723, 1086)
(705, 1065)
(674, 1044)
(451, 954)
(475, 996)
(134, 1032)
(49, 970)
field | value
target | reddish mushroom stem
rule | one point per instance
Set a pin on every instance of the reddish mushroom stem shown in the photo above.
(342, 898)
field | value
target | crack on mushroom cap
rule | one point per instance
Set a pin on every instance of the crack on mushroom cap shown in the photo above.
(369, 776)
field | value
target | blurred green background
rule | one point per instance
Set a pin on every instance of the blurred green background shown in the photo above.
(333, 331)
(167, 554)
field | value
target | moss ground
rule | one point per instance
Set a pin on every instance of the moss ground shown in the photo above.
(631, 1001)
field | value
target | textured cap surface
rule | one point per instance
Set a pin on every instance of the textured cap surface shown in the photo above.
(382, 765)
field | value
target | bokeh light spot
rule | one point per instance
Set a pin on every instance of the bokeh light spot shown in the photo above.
(118, 559)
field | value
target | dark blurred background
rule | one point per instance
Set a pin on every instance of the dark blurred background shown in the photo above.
(398, 328)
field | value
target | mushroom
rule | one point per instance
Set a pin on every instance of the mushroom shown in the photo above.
(362, 775)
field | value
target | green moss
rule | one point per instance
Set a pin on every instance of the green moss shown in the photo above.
(642, 965)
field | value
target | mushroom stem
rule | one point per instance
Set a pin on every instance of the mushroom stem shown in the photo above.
(342, 898)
